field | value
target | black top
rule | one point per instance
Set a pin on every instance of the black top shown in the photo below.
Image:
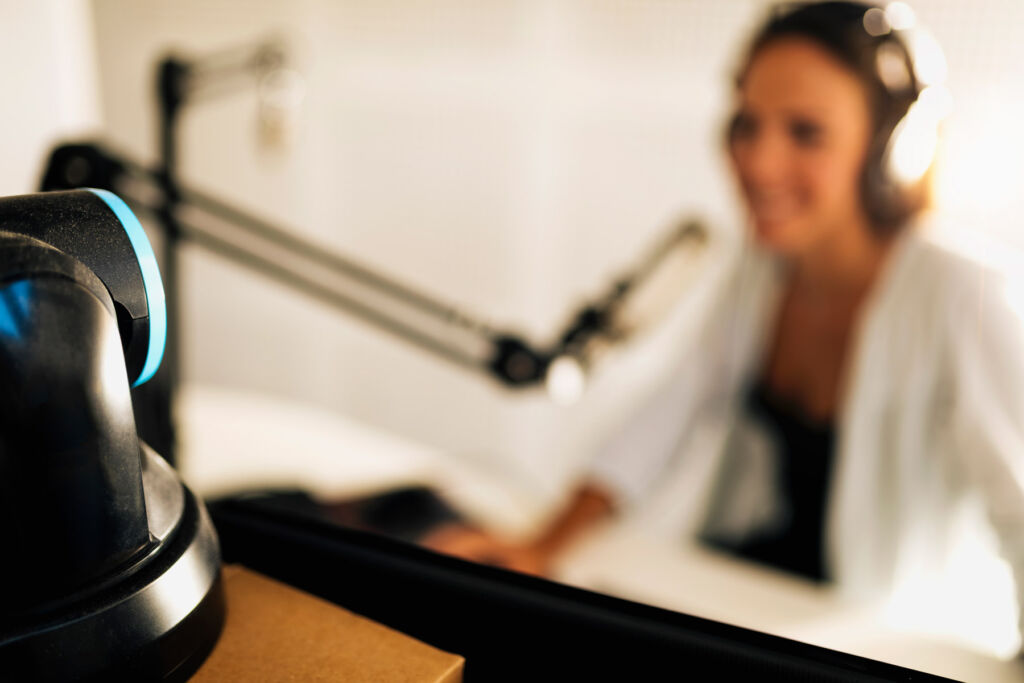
(804, 455)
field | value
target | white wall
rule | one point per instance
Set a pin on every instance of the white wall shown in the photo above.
(507, 156)
(48, 81)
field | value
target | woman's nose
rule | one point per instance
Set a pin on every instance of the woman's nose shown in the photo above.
(761, 158)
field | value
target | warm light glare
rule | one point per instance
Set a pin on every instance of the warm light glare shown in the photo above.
(565, 380)
(981, 619)
(929, 60)
(936, 101)
(900, 16)
(914, 143)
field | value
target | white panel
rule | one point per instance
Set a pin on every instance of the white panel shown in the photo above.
(48, 84)
(506, 156)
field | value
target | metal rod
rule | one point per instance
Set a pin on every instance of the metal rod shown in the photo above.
(318, 254)
(241, 219)
(265, 266)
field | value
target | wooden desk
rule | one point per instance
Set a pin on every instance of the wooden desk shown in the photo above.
(276, 633)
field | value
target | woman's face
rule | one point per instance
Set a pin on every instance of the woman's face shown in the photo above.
(798, 146)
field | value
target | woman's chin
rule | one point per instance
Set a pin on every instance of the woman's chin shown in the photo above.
(775, 236)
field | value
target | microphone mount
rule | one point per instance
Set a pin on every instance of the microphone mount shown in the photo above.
(184, 213)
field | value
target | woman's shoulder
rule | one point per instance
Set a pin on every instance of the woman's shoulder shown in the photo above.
(967, 283)
(942, 263)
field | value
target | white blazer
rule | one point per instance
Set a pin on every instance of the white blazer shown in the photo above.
(931, 418)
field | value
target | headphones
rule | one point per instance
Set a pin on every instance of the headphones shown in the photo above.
(911, 69)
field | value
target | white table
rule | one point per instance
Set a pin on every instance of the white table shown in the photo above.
(232, 441)
(691, 579)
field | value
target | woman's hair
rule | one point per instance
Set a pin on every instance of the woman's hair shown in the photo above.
(839, 28)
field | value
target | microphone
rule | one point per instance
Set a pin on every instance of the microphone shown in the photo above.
(637, 301)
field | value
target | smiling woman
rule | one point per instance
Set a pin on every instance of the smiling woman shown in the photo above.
(798, 145)
(857, 382)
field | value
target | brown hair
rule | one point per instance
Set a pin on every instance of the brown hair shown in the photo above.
(838, 27)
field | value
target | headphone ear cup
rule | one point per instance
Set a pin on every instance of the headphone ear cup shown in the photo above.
(901, 159)
(895, 168)
(904, 147)
(879, 187)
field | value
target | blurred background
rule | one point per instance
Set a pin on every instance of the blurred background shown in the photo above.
(507, 157)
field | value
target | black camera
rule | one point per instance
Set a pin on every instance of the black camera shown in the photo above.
(111, 566)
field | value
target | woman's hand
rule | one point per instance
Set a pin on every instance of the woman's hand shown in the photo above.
(589, 505)
(470, 543)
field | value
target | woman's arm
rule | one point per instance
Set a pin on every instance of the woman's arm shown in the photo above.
(990, 412)
(587, 506)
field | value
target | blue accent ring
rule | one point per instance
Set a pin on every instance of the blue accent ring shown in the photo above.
(151, 280)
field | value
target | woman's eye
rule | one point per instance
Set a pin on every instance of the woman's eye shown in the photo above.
(742, 126)
(806, 133)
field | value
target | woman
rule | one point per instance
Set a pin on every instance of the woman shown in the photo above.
(860, 381)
